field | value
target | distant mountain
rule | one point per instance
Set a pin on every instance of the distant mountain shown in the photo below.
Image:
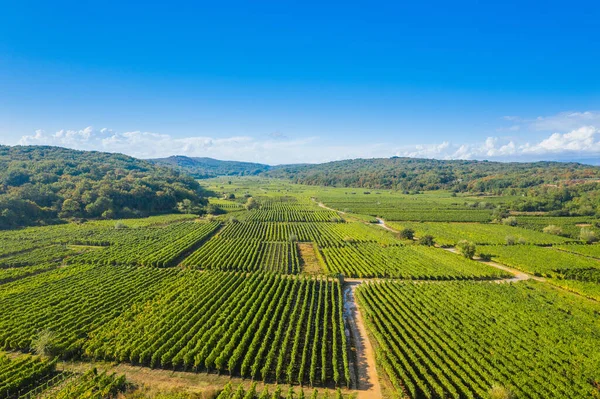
(431, 174)
(204, 168)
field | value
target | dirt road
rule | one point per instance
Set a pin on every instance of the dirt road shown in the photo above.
(365, 373)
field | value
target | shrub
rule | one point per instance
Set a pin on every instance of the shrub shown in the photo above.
(553, 229)
(485, 257)
(427, 240)
(251, 204)
(522, 240)
(119, 224)
(510, 221)
(500, 392)
(510, 240)
(466, 248)
(588, 236)
(407, 234)
(42, 344)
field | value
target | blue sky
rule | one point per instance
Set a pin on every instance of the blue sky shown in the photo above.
(284, 81)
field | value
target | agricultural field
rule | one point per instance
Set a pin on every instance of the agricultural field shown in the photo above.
(261, 292)
(73, 301)
(570, 225)
(23, 374)
(246, 255)
(448, 234)
(541, 261)
(28, 376)
(324, 234)
(267, 327)
(462, 339)
(406, 262)
(592, 251)
(392, 205)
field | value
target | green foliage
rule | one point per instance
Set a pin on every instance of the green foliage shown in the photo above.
(455, 339)
(588, 236)
(23, 373)
(553, 229)
(549, 262)
(203, 168)
(251, 204)
(407, 233)
(246, 255)
(43, 343)
(430, 174)
(466, 248)
(510, 221)
(254, 326)
(426, 240)
(449, 234)
(40, 184)
(500, 392)
(408, 262)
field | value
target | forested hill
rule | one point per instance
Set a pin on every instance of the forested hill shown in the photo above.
(39, 184)
(203, 168)
(431, 174)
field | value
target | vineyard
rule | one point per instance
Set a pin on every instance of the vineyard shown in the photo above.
(264, 288)
(548, 262)
(407, 262)
(72, 302)
(324, 234)
(246, 255)
(264, 326)
(592, 251)
(460, 339)
(448, 234)
(391, 205)
(23, 374)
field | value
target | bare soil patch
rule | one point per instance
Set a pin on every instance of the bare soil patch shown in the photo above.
(309, 261)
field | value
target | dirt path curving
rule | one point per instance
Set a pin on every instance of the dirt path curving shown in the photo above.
(381, 222)
(366, 380)
(518, 275)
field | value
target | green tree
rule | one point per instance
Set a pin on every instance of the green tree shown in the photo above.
(407, 234)
(251, 204)
(427, 240)
(553, 229)
(70, 208)
(587, 235)
(466, 248)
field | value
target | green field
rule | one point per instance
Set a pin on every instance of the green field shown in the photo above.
(448, 234)
(262, 294)
(459, 339)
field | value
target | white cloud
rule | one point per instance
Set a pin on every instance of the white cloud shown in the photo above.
(565, 121)
(583, 141)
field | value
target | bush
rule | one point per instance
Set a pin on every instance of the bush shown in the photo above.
(251, 204)
(466, 248)
(510, 240)
(427, 240)
(485, 257)
(119, 224)
(553, 229)
(407, 234)
(522, 240)
(510, 221)
(588, 236)
(500, 392)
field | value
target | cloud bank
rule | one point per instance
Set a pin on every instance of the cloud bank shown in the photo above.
(573, 136)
